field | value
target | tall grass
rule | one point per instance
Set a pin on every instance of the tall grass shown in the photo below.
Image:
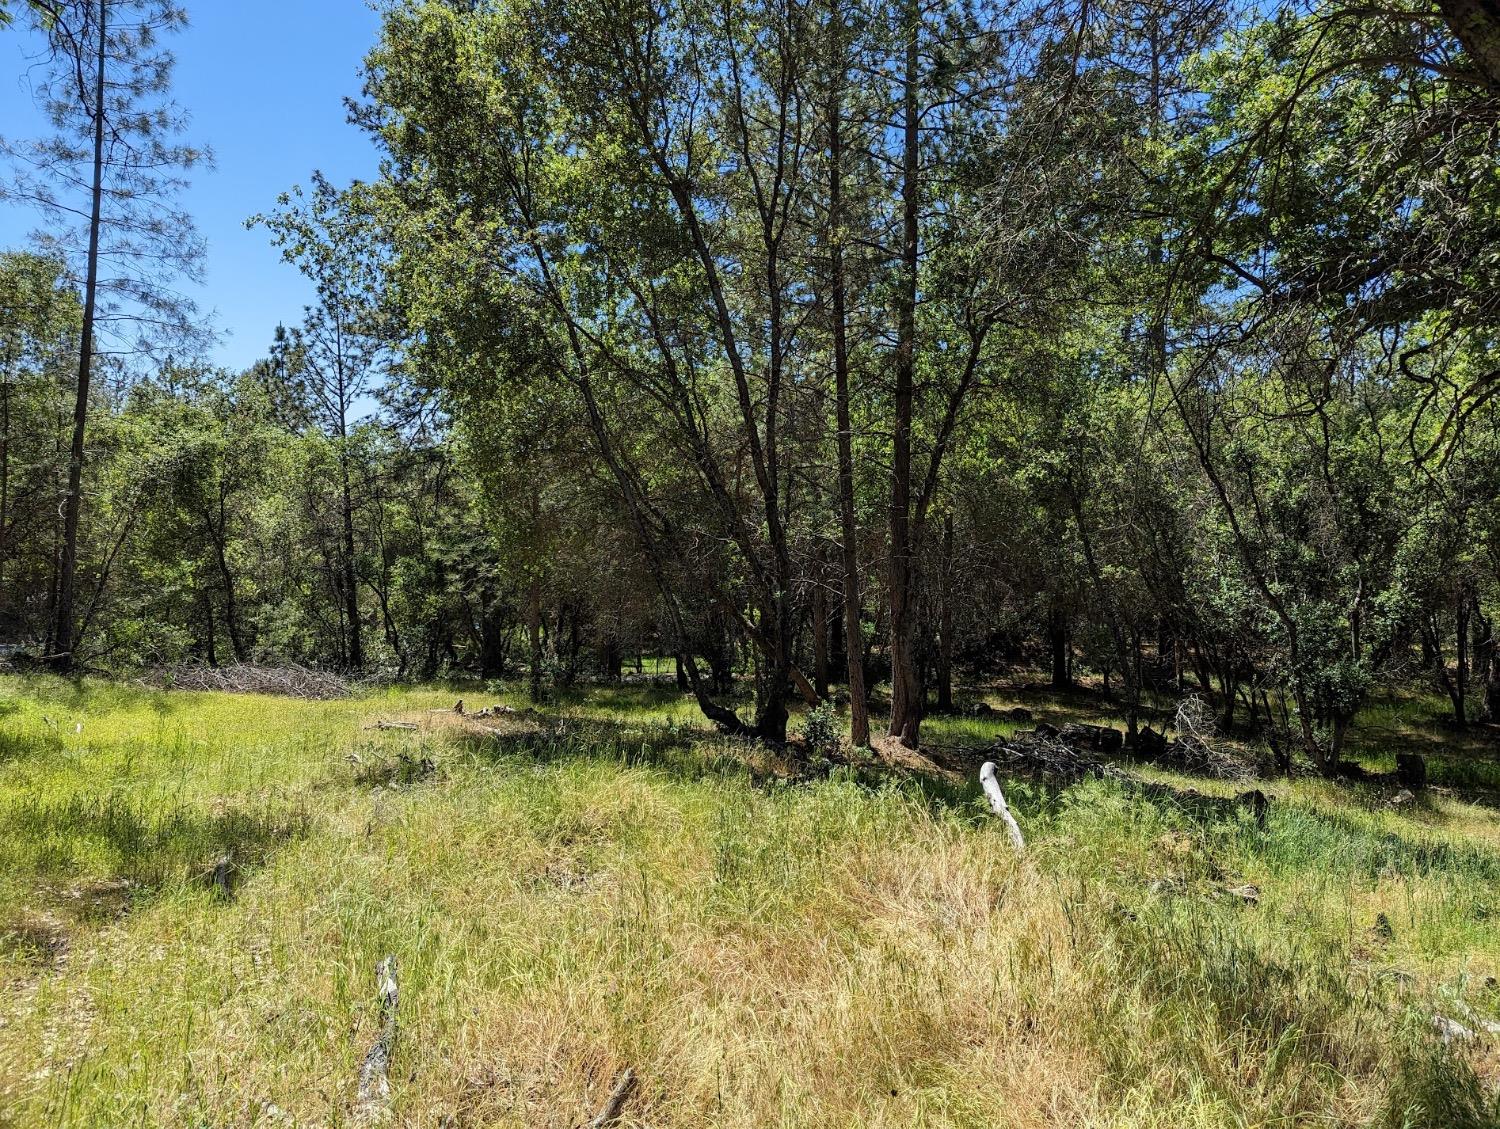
(608, 886)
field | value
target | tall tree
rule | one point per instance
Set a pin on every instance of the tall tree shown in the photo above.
(333, 360)
(106, 184)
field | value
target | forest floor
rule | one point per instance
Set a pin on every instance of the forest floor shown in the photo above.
(603, 885)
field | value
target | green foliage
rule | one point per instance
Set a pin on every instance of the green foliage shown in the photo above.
(821, 730)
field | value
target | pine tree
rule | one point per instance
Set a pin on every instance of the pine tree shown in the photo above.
(106, 183)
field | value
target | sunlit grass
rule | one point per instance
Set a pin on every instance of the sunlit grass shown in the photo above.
(606, 884)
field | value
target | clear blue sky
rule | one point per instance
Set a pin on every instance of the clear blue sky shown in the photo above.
(264, 81)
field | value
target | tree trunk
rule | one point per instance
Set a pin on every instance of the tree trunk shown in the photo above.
(60, 646)
(534, 636)
(854, 643)
(211, 651)
(1461, 678)
(610, 660)
(945, 628)
(4, 482)
(906, 690)
(1476, 24)
(820, 634)
(347, 565)
(231, 601)
(1057, 638)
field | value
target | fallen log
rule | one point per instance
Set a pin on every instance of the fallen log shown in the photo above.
(998, 805)
(624, 1086)
(1097, 737)
(405, 725)
(374, 1100)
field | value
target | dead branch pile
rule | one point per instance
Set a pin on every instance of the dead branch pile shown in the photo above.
(1198, 748)
(291, 681)
(1044, 752)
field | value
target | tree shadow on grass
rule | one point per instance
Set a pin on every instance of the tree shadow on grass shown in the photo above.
(683, 753)
(20, 746)
(113, 839)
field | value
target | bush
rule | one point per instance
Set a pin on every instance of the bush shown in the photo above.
(821, 730)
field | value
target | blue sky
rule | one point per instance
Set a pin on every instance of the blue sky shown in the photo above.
(264, 81)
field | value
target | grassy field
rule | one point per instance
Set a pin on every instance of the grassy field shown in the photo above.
(605, 885)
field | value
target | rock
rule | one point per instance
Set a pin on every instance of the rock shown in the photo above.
(1451, 1030)
(1403, 799)
(1149, 743)
(1257, 802)
(1411, 771)
(1249, 893)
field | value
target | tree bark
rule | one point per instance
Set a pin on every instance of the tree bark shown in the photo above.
(60, 646)
(854, 648)
(906, 690)
(347, 565)
(534, 637)
(820, 634)
(1057, 638)
(4, 481)
(945, 628)
(1476, 24)
(219, 535)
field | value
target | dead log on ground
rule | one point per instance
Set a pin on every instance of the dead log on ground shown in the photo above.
(374, 1101)
(1098, 737)
(617, 1099)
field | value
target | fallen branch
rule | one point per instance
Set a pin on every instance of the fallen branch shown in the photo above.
(617, 1099)
(374, 1083)
(998, 805)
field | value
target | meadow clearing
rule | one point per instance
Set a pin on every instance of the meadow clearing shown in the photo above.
(603, 884)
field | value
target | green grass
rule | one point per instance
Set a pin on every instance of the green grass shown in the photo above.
(608, 885)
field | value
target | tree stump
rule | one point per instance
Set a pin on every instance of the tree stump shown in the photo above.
(1411, 771)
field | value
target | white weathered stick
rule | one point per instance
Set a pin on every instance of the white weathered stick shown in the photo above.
(374, 1082)
(998, 806)
(617, 1099)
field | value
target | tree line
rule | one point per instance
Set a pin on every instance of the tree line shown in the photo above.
(826, 348)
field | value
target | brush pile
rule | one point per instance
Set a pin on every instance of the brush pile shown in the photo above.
(290, 681)
(1045, 752)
